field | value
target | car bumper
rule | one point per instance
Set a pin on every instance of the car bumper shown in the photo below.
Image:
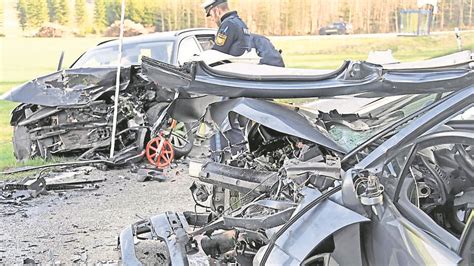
(170, 229)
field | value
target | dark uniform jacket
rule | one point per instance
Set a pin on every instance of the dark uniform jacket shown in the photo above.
(233, 36)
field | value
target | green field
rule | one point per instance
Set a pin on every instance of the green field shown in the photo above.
(23, 59)
(329, 53)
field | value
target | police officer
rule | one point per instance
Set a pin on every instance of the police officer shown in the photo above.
(233, 36)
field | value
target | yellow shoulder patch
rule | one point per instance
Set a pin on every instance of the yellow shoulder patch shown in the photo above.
(220, 39)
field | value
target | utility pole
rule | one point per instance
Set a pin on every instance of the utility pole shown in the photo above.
(117, 82)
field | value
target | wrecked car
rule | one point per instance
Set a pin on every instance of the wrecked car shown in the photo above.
(292, 187)
(70, 112)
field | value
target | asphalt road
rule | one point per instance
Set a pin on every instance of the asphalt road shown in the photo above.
(82, 226)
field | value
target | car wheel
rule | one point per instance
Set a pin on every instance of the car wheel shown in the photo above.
(182, 139)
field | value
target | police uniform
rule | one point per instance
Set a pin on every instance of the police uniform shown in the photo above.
(233, 36)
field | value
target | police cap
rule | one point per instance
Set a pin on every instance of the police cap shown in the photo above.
(210, 4)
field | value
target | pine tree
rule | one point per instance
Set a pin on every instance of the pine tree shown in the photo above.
(150, 15)
(22, 10)
(53, 8)
(100, 15)
(136, 11)
(37, 13)
(81, 13)
(113, 8)
(63, 12)
(43, 16)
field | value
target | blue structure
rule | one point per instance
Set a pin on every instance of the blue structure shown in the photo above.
(415, 22)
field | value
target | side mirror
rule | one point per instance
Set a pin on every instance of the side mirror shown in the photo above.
(60, 63)
(466, 243)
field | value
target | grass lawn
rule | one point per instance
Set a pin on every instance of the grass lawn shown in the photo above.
(23, 59)
(329, 53)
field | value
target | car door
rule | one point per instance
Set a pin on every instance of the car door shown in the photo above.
(428, 189)
(466, 245)
(403, 234)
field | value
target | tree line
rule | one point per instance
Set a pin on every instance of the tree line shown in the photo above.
(35, 13)
(269, 17)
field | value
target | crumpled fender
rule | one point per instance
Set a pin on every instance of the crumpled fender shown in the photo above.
(312, 228)
(68, 87)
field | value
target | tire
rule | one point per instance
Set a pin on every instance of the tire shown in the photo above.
(182, 139)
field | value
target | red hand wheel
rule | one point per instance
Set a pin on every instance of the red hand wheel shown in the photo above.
(159, 152)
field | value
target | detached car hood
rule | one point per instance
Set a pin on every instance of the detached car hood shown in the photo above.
(361, 79)
(68, 87)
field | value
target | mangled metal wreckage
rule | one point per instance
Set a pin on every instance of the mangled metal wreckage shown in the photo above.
(286, 188)
(287, 185)
(70, 112)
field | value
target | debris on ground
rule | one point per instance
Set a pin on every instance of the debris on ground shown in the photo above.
(150, 174)
(17, 192)
(29, 261)
(71, 223)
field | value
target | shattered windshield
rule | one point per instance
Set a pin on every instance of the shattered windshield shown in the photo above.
(132, 54)
(351, 135)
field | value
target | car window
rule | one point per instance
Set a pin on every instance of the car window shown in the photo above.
(206, 41)
(446, 155)
(131, 54)
(187, 49)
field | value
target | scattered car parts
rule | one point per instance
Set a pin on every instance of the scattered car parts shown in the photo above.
(16, 192)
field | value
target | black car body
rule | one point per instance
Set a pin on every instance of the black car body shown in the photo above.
(290, 193)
